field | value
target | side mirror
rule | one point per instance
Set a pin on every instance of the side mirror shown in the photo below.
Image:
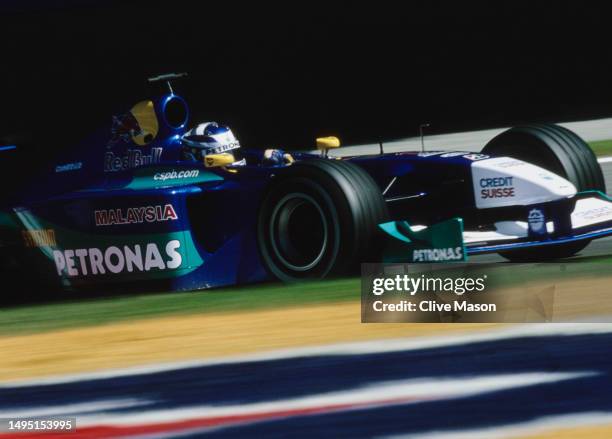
(328, 142)
(217, 160)
(325, 143)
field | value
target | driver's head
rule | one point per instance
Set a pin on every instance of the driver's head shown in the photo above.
(210, 138)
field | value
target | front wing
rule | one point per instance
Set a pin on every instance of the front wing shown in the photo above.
(582, 217)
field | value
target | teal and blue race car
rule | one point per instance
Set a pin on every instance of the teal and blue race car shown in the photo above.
(147, 200)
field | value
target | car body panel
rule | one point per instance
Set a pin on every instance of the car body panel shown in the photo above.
(117, 211)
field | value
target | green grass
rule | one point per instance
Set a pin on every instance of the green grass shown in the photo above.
(82, 311)
(89, 312)
(602, 147)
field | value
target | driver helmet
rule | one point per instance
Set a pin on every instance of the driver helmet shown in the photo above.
(210, 138)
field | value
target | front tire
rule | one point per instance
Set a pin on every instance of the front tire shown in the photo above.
(560, 151)
(319, 218)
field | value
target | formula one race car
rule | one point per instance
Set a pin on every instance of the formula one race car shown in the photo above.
(146, 199)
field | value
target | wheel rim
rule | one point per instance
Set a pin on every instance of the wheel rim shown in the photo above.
(298, 232)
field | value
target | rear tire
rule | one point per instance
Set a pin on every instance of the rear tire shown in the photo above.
(319, 218)
(560, 151)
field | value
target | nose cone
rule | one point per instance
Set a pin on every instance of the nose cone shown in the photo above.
(504, 181)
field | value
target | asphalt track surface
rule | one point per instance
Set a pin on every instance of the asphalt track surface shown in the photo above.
(473, 141)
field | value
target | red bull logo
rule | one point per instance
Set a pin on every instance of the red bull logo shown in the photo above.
(133, 158)
(139, 125)
(123, 129)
